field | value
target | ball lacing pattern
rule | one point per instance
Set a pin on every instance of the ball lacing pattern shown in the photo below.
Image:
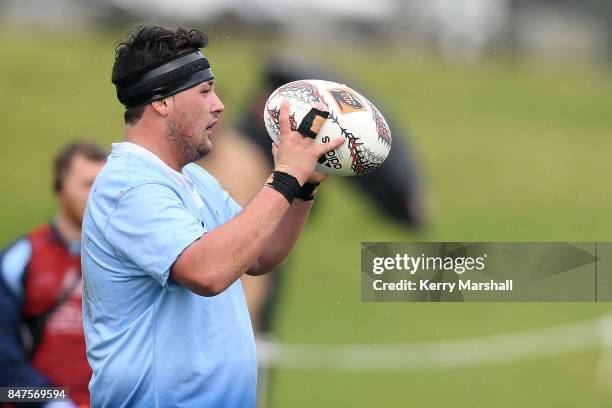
(362, 159)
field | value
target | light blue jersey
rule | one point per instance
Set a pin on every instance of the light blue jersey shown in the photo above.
(150, 341)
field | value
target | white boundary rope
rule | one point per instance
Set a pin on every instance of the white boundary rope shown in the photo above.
(447, 354)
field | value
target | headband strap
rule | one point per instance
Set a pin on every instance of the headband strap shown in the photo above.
(168, 79)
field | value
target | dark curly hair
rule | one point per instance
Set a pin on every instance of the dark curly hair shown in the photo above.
(147, 47)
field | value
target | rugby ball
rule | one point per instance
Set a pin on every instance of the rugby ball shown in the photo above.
(368, 138)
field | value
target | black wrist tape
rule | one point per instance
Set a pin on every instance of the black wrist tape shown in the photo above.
(285, 184)
(308, 192)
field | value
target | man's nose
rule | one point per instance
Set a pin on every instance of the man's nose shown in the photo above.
(217, 106)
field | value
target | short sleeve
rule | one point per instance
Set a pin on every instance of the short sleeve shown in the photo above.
(233, 208)
(151, 227)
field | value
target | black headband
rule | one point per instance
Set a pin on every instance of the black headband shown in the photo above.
(184, 72)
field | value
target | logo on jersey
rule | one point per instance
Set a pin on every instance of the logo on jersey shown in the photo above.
(347, 101)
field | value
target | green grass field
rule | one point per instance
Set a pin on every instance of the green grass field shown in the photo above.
(509, 151)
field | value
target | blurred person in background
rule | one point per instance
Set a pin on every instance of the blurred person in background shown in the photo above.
(392, 188)
(41, 326)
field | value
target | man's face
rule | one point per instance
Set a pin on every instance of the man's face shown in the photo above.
(190, 126)
(76, 183)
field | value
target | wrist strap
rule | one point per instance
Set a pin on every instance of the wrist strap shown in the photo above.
(285, 184)
(308, 192)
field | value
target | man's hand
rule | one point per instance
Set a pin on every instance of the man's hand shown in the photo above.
(297, 155)
(316, 177)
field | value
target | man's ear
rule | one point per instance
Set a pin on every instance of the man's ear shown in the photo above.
(162, 107)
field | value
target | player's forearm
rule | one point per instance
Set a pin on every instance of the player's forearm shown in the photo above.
(284, 237)
(219, 258)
